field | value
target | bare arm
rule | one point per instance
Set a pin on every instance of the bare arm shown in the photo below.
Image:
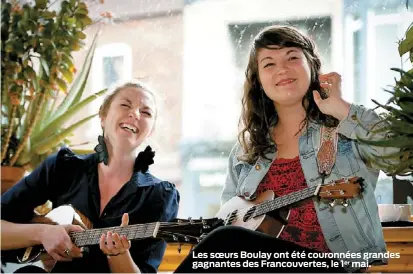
(123, 264)
(14, 236)
(54, 238)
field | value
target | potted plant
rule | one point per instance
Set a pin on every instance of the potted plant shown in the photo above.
(398, 118)
(38, 90)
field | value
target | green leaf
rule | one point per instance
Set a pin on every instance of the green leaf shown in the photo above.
(81, 11)
(397, 155)
(45, 66)
(82, 5)
(83, 19)
(411, 55)
(80, 35)
(41, 4)
(405, 45)
(407, 78)
(71, 21)
(79, 83)
(61, 84)
(48, 143)
(48, 14)
(66, 74)
(43, 114)
(29, 73)
(395, 142)
(59, 121)
(67, 59)
(405, 166)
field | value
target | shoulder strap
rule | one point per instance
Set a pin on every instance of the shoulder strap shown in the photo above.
(326, 155)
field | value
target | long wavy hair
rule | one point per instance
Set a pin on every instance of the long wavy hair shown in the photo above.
(258, 110)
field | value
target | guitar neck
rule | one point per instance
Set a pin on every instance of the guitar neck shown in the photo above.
(286, 200)
(132, 232)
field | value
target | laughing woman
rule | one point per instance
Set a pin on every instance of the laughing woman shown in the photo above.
(111, 187)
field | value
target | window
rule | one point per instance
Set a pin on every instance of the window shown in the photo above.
(112, 63)
(113, 70)
(372, 34)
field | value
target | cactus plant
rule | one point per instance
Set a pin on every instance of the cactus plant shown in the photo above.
(38, 89)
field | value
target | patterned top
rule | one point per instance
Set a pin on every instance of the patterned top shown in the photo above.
(286, 176)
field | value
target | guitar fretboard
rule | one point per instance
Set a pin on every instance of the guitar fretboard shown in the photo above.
(92, 236)
(286, 200)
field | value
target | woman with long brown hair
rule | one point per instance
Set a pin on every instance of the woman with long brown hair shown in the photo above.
(298, 132)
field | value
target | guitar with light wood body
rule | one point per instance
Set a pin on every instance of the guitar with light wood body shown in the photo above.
(269, 214)
(183, 231)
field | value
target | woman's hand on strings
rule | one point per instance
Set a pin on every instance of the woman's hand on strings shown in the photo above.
(113, 244)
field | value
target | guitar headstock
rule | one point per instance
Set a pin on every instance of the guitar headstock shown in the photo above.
(342, 189)
(187, 231)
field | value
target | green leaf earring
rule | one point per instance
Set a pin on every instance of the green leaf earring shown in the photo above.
(101, 150)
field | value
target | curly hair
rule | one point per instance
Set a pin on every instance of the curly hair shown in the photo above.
(258, 113)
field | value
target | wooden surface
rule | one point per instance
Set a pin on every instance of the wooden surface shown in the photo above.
(398, 240)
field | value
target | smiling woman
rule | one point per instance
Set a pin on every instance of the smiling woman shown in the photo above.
(297, 134)
(111, 187)
(129, 108)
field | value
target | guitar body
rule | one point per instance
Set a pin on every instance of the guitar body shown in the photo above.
(183, 231)
(63, 215)
(238, 208)
(269, 214)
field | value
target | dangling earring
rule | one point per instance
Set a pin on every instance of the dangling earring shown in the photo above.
(144, 160)
(102, 150)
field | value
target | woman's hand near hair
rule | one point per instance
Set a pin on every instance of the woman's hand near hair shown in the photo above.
(116, 248)
(334, 105)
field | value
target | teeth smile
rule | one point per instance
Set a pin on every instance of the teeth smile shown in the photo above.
(284, 82)
(129, 127)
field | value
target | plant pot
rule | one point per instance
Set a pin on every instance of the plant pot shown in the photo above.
(9, 176)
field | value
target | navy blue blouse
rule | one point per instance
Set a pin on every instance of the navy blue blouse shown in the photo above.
(66, 178)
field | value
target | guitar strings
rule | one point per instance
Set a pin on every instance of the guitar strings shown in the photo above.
(276, 203)
(271, 205)
(139, 228)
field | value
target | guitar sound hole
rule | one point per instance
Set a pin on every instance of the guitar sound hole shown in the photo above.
(249, 213)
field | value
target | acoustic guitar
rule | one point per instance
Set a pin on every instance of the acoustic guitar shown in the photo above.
(183, 231)
(269, 214)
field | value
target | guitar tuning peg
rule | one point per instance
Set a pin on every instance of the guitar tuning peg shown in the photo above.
(332, 204)
(175, 237)
(186, 239)
(345, 203)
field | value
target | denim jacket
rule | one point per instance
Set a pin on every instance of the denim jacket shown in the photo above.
(355, 229)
